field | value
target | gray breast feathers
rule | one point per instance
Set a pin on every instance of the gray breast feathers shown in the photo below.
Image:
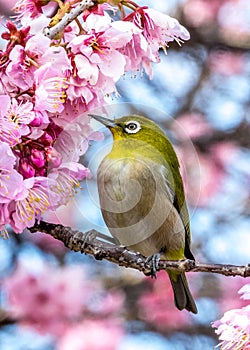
(136, 201)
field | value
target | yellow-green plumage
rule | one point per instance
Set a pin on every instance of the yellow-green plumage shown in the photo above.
(142, 197)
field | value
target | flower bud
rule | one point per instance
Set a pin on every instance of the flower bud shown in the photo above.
(26, 169)
(46, 139)
(38, 158)
(53, 157)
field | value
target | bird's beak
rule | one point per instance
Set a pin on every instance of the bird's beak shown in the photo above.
(105, 121)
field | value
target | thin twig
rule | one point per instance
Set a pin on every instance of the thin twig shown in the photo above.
(68, 18)
(90, 243)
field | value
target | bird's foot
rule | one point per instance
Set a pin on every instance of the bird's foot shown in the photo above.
(152, 262)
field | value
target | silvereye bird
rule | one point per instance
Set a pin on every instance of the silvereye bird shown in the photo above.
(142, 197)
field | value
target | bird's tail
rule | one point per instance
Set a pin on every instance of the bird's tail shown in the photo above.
(182, 296)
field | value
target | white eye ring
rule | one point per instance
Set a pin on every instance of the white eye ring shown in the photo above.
(132, 127)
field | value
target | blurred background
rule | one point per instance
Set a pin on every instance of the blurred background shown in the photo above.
(55, 299)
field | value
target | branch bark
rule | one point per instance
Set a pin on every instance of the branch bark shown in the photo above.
(68, 18)
(102, 247)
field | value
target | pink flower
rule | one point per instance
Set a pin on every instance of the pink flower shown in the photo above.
(48, 300)
(66, 180)
(94, 335)
(157, 27)
(93, 57)
(98, 9)
(105, 303)
(35, 200)
(80, 95)
(201, 12)
(50, 92)
(97, 23)
(59, 300)
(14, 119)
(128, 39)
(9, 132)
(86, 70)
(193, 125)
(51, 80)
(94, 53)
(245, 291)
(236, 27)
(15, 36)
(41, 120)
(33, 8)
(4, 219)
(56, 57)
(227, 63)
(234, 329)
(23, 60)
(74, 140)
(70, 32)
(22, 114)
(11, 182)
(20, 70)
(36, 154)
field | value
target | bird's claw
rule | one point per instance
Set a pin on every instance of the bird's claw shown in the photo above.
(152, 262)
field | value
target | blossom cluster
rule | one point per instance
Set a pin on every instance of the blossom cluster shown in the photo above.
(68, 305)
(47, 87)
(234, 327)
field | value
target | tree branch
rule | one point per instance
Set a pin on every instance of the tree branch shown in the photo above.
(67, 18)
(92, 242)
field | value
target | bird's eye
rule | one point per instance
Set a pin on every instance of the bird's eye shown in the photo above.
(132, 127)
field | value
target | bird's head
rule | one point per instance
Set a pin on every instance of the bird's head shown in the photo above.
(132, 127)
(141, 136)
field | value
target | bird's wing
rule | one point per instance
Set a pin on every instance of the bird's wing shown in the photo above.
(179, 203)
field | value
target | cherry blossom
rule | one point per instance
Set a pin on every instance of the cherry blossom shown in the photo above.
(201, 12)
(50, 92)
(33, 8)
(35, 200)
(56, 294)
(74, 139)
(14, 118)
(94, 335)
(104, 303)
(20, 70)
(245, 291)
(63, 298)
(158, 29)
(47, 87)
(234, 329)
(11, 182)
(128, 39)
(227, 63)
(194, 126)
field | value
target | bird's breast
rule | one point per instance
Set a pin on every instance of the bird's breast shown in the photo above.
(136, 201)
